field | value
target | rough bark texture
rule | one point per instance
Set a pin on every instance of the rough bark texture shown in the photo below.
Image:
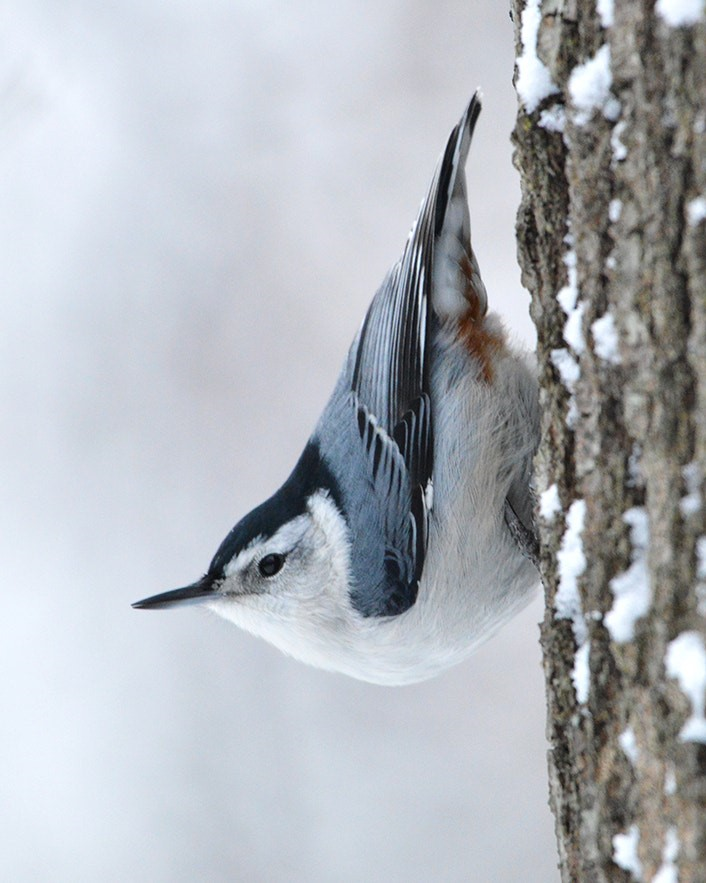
(616, 188)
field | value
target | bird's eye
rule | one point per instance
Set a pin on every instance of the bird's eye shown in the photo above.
(271, 564)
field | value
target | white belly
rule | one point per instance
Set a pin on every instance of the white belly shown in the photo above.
(475, 576)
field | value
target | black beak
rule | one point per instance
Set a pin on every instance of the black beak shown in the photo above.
(197, 591)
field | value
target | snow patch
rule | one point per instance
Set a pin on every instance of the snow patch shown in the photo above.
(668, 871)
(549, 503)
(581, 672)
(615, 210)
(589, 88)
(567, 367)
(696, 211)
(690, 503)
(553, 119)
(632, 592)
(568, 298)
(572, 413)
(605, 12)
(573, 329)
(701, 557)
(571, 563)
(568, 295)
(620, 151)
(679, 13)
(534, 82)
(628, 743)
(635, 477)
(625, 852)
(605, 339)
(685, 661)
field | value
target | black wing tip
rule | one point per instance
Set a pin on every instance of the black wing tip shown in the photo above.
(455, 155)
(475, 105)
(467, 124)
(470, 117)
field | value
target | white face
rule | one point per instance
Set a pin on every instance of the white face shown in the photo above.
(292, 588)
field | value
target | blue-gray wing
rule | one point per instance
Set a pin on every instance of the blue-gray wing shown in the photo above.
(390, 385)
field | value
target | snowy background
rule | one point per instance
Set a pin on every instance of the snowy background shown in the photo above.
(197, 202)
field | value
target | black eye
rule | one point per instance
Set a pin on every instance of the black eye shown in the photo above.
(271, 564)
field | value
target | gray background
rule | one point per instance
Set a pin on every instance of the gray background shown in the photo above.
(197, 202)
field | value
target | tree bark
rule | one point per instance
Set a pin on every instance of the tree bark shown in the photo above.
(611, 146)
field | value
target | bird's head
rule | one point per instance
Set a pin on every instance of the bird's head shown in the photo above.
(283, 572)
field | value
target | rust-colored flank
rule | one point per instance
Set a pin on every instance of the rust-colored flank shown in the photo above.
(481, 343)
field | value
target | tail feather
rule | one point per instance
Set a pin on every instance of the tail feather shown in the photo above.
(454, 160)
(457, 285)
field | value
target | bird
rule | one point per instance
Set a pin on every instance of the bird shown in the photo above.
(405, 534)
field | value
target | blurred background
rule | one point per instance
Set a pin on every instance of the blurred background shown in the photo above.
(197, 202)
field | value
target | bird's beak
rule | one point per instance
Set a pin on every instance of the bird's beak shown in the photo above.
(198, 591)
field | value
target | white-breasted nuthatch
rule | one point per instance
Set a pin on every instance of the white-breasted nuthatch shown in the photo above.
(404, 536)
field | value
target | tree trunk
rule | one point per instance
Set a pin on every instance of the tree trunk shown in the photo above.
(611, 146)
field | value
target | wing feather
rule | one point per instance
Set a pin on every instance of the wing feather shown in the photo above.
(390, 385)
